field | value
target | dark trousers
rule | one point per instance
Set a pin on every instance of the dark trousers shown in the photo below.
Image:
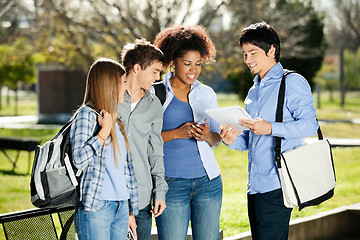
(269, 218)
(144, 222)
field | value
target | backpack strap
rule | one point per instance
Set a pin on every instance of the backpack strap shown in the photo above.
(79, 172)
(160, 91)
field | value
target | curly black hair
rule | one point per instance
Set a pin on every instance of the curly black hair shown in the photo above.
(174, 42)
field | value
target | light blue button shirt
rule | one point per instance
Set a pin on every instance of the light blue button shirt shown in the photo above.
(299, 121)
(201, 97)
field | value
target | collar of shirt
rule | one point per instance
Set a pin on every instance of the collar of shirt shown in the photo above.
(274, 74)
(167, 84)
(147, 95)
(127, 99)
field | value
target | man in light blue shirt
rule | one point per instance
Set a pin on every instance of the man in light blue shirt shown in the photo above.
(269, 218)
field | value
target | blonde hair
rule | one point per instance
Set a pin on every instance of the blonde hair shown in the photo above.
(102, 92)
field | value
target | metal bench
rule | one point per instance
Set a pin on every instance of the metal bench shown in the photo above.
(19, 144)
(39, 224)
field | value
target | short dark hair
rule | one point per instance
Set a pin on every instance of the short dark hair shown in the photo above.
(140, 52)
(176, 41)
(263, 36)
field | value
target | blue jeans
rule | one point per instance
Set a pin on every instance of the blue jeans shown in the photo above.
(144, 222)
(109, 222)
(196, 199)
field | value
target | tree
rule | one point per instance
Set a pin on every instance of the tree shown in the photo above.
(13, 16)
(76, 32)
(344, 33)
(344, 27)
(17, 65)
(302, 36)
(352, 69)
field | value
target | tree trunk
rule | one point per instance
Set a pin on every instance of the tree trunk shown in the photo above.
(16, 101)
(8, 96)
(342, 80)
(318, 91)
(1, 96)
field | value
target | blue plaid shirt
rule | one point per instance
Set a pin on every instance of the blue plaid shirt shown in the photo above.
(89, 156)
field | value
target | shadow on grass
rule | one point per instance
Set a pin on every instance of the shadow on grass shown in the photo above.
(12, 173)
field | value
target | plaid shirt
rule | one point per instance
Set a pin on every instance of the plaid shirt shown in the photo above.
(89, 156)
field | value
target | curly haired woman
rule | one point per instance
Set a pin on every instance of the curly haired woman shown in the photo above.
(191, 170)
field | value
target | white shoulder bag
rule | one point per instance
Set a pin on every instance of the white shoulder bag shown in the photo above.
(307, 173)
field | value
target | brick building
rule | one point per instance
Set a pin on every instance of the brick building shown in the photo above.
(60, 92)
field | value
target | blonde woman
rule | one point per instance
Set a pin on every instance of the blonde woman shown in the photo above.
(108, 188)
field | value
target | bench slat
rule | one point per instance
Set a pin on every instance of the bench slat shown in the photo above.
(18, 143)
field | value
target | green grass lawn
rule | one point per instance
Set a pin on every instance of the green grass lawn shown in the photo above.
(15, 190)
(233, 167)
(27, 104)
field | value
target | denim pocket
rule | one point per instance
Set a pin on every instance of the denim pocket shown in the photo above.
(169, 180)
(100, 205)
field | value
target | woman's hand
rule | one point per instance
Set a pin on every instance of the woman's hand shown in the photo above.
(185, 131)
(132, 224)
(228, 134)
(189, 130)
(201, 132)
(105, 121)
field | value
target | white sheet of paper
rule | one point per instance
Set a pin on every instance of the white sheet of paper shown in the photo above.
(229, 116)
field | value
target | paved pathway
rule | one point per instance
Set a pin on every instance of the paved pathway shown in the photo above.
(338, 142)
(321, 220)
(28, 121)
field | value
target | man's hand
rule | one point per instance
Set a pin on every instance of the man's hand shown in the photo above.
(228, 134)
(132, 224)
(257, 126)
(159, 207)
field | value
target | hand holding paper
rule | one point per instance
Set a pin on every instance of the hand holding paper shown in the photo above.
(258, 126)
(229, 116)
(228, 134)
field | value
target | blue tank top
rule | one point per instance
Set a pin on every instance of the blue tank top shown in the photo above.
(181, 156)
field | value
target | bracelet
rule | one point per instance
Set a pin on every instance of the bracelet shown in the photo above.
(101, 137)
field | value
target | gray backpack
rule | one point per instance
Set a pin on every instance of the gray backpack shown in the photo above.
(54, 178)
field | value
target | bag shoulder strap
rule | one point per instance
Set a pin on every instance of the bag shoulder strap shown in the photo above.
(281, 97)
(160, 91)
(78, 172)
(279, 116)
(69, 123)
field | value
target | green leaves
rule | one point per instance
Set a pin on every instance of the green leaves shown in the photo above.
(16, 63)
